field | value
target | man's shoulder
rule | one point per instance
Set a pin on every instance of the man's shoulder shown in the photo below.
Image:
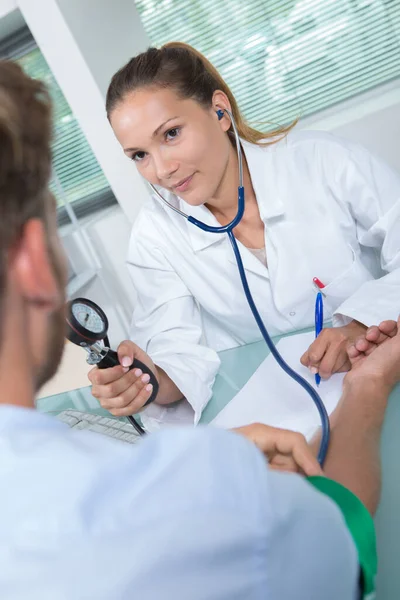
(69, 465)
(173, 503)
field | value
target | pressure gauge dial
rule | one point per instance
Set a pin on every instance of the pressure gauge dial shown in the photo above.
(86, 322)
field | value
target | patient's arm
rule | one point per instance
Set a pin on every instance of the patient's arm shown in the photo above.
(354, 453)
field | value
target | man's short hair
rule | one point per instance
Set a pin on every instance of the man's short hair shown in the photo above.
(25, 156)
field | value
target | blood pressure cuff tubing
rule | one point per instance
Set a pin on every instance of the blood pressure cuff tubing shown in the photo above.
(361, 527)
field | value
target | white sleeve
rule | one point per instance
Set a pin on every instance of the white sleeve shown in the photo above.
(167, 324)
(311, 544)
(372, 190)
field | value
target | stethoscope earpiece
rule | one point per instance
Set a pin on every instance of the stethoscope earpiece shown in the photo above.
(220, 114)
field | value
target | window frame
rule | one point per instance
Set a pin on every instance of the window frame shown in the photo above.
(14, 47)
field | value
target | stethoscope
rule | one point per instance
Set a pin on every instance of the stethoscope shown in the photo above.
(229, 230)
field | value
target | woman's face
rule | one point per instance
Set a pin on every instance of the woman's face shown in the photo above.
(176, 144)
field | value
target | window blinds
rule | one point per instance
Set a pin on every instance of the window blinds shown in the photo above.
(285, 59)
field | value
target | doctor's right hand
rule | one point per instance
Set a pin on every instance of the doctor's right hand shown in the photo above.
(122, 391)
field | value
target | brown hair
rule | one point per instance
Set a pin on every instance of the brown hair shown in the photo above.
(25, 156)
(183, 68)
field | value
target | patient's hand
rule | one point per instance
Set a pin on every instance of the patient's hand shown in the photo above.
(285, 450)
(374, 336)
(375, 357)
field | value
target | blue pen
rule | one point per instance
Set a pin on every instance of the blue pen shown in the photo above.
(319, 321)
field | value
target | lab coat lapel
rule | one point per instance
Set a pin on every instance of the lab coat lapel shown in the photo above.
(198, 238)
(259, 161)
(250, 262)
(201, 240)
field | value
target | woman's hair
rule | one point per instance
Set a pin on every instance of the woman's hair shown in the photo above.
(179, 66)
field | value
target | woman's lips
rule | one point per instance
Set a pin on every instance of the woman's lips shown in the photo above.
(184, 184)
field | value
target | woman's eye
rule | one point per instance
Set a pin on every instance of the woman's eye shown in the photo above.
(172, 133)
(138, 156)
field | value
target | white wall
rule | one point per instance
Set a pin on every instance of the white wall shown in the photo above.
(108, 33)
(379, 132)
(372, 119)
(110, 234)
(85, 44)
(75, 43)
(97, 252)
(7, 7)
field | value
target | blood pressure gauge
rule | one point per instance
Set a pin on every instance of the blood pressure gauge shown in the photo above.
(86, 321)
(87, 326)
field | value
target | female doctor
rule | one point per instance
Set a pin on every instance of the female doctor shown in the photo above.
(316, 206)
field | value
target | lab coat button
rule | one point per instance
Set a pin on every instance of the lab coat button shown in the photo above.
(292, 314)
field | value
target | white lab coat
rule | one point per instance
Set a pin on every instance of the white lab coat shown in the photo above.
(331, 210)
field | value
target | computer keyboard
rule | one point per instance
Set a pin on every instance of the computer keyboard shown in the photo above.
(116, 428)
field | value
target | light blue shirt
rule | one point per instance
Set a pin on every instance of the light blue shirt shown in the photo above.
(187, 514)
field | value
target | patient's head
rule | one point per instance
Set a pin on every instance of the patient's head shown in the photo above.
(32, 269)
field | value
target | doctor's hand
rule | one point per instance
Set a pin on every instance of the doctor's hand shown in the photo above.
(328, 353)
(119, 390)
(285, 450)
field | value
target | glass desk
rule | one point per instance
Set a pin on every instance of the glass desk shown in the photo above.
(237, 366)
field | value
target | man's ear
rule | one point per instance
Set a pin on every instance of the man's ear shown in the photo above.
(32, 266)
